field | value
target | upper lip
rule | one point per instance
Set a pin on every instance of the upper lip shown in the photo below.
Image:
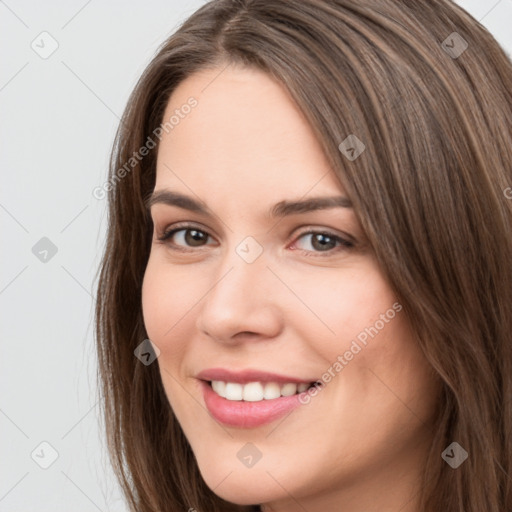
(249, 375)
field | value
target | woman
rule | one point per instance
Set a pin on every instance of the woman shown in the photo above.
(309, 220)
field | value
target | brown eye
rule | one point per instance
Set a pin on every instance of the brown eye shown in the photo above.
(321, 241)
(194, 237)
(185, 237)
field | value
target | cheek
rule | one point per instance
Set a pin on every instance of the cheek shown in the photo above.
(370, 354)
(344, 305)
(168, 296)
(155, 301)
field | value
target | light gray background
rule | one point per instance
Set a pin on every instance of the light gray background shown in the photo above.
(58, 119)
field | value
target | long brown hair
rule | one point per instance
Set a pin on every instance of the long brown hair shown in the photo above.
(428, 91)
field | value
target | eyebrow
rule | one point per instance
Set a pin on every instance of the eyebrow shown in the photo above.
(280, 209)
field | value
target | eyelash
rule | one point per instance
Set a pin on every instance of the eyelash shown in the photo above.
(343, 243)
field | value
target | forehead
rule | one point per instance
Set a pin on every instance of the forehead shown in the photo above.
(244, 136)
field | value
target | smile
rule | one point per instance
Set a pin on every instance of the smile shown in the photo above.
(256, 391)
(250, 398)
(249, 406)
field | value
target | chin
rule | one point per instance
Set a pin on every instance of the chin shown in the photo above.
(245, 486)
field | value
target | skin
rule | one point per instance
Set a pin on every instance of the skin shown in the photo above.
(362, 440)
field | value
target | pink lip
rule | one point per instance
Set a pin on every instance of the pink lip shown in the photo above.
(245, 376)
(246, 414)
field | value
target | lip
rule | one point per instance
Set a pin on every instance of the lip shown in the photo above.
(249, 375)
(243, 414)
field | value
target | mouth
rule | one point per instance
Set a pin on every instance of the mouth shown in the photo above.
(252, 404)
(257, 391)
(250, 398)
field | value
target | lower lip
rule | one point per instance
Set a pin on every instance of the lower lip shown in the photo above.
(247, 414)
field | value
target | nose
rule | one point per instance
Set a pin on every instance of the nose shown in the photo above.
(241, 303)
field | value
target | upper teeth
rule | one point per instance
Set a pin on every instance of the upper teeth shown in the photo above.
(256, 391)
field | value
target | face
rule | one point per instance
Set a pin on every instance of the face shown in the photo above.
(252, 297)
